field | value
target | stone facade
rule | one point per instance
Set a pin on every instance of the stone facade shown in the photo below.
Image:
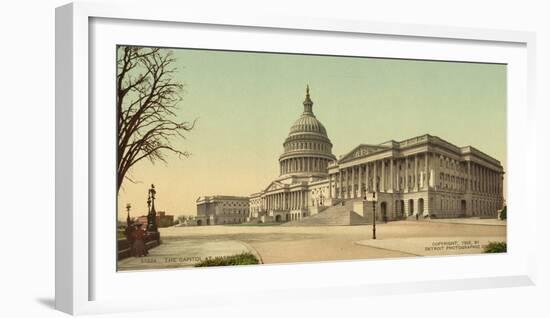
(425, 176)
(421, 177)
(221, 209)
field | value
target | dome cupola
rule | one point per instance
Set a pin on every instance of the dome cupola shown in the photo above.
(307, 149)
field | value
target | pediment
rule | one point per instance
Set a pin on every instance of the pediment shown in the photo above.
(361, 151)
(275, 185)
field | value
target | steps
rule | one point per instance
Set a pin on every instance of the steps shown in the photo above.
(334, 215)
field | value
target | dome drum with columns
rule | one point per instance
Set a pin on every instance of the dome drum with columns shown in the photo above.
(307, 149)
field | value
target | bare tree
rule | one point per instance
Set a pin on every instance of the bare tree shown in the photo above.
(147, 99)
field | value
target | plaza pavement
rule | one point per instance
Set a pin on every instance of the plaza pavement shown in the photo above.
(184, 246)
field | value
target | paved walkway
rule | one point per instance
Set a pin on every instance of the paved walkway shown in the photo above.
(184, 253)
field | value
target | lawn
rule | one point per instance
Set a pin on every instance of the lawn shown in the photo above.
(255, 224)
(240, 259)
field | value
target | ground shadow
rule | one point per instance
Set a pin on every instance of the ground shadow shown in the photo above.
(47, 302)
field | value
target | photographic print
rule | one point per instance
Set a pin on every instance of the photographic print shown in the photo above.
(244, 158)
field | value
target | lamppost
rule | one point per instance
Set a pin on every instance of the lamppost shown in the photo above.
(128, 220)
(374, 211)
(152, 215)
(374, 215)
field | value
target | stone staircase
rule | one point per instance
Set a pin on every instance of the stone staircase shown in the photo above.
(334, 215)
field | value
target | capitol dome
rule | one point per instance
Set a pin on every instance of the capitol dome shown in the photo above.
(308, 123)
(307, 149)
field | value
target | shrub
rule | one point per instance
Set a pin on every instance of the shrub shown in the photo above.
(495, 247)
(120, 235)
(239, 259)
(165, 222)
(503, 213)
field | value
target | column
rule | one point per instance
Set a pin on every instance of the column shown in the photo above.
(494, 182)
(374, 176)
(469, 178)
(486, 176)
(330, 186)
(490, 178)
(415, 179)
(285, 200)
(426, 173)
(488, 172)
(360, 181)
(486, 180)
(480, 179)
(340, 193)
(477, 177)
(397, 175)
(490, 181)
(501, 191)
(383, 177)
(392, 177)
(346, 183)
(473, 177)
(437, 165)
(479, 183)
(367, 185)
(483, 180)
(352, 182)
(406, 174)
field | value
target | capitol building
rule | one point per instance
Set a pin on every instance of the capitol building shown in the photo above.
(417, 178)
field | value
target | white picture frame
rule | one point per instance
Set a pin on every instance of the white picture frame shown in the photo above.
(82, 287)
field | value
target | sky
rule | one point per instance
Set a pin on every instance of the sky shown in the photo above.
(245, 104)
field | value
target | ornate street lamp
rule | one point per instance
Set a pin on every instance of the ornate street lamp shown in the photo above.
(374, 211)
(128, 220)
(152, 215)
